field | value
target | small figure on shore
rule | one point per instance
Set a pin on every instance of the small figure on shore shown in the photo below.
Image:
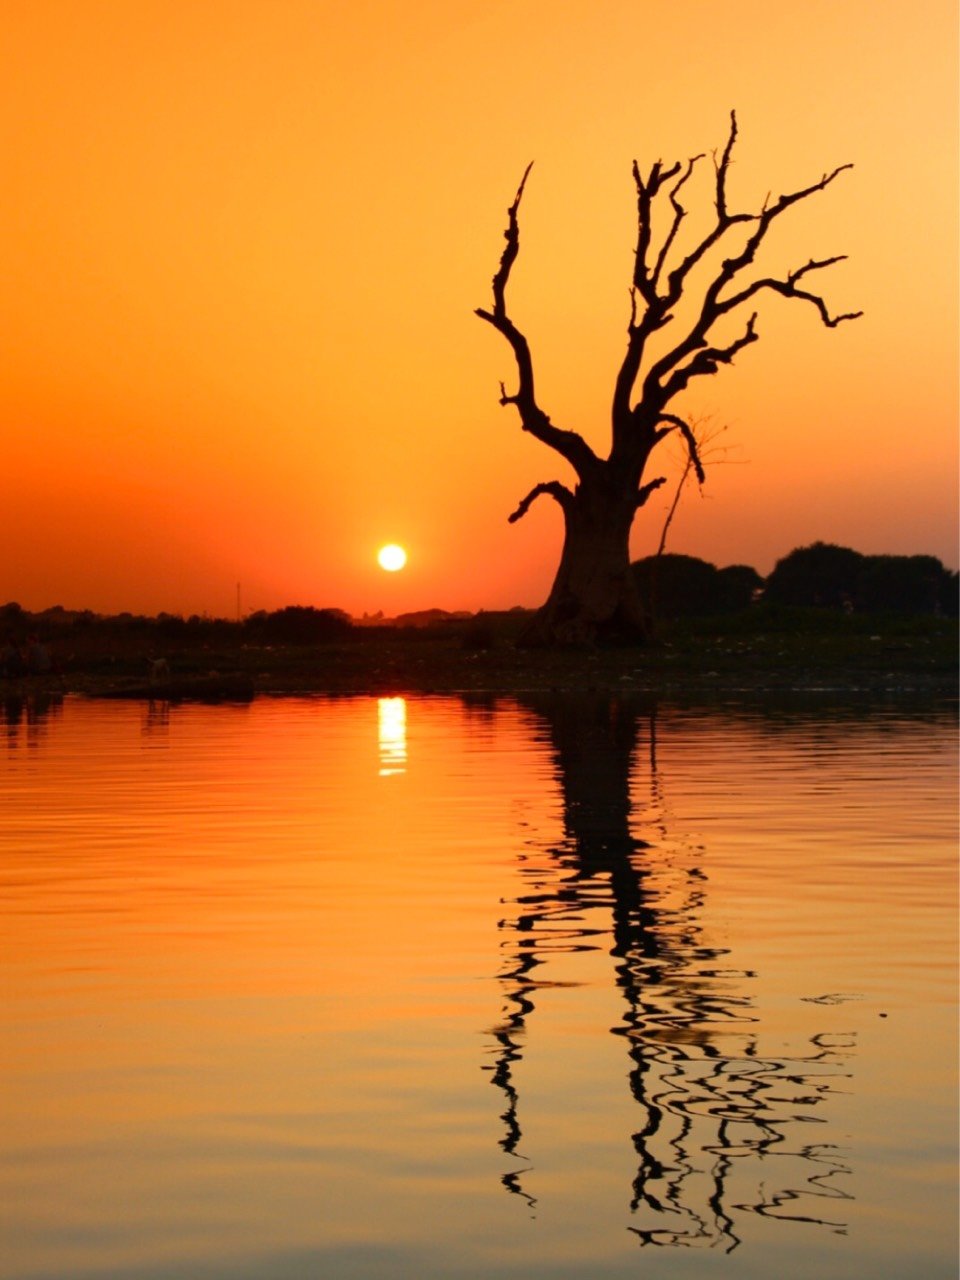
(159, 670)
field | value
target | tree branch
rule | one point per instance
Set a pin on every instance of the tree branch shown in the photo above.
(690, 438)
(714, 306)
(646, 280)
(679, 213)
(508, 257)
(787, 289)
(647, 189)
(659, 306)
(644, 492)
(722, 169)
(725, 219)
(568, 444)
(704, 440)
(706, 361)
(552, 487)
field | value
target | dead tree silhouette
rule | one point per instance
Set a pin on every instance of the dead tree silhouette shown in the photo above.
(593, 595)
(712, 1105)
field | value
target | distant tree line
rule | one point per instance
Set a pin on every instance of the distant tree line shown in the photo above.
(297, 624)
(83, 637)
(834, 577)
(821, 576)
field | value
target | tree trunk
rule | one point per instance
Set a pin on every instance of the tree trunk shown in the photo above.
(594, 598)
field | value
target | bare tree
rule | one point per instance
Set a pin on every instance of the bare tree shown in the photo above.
(594, 595)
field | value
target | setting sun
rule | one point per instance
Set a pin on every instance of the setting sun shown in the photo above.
(391, 557)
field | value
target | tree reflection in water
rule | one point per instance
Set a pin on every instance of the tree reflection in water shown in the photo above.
(24, 717)
(717, 1112)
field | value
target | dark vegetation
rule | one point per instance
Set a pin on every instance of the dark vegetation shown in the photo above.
(675, 586)
(833, 577)
(825, 616)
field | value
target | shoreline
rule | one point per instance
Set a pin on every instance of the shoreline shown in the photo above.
(704, 670)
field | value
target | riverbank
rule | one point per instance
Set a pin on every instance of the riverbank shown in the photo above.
(903, 656)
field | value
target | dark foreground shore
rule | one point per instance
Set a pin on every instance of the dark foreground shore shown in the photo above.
(895, 659)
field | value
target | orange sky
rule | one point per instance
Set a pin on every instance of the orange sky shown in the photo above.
(243, 243)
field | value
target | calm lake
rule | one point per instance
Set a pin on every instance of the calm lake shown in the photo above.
(437, 987)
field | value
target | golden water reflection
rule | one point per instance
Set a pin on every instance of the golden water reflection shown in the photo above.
(392, 735)
(24, 718)
(248, 987)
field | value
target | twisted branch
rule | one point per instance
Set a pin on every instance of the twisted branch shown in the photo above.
(645, 490)
(715, 306)
(690, 438)
(568, 444)
(679, 213)
(660, 289)
(787, 289)
(707, 360)
(554, 488)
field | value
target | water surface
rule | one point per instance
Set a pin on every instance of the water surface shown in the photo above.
(466, 988)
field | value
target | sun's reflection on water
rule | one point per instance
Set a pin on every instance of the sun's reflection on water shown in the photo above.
(392, 735)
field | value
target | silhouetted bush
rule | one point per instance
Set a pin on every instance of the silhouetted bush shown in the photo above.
(835, 577)
(12, 614)
(299, 624)
(904, 584)
(479, 633)
(950, 594)
(739, 587)
(676, 586)
(821, 574)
